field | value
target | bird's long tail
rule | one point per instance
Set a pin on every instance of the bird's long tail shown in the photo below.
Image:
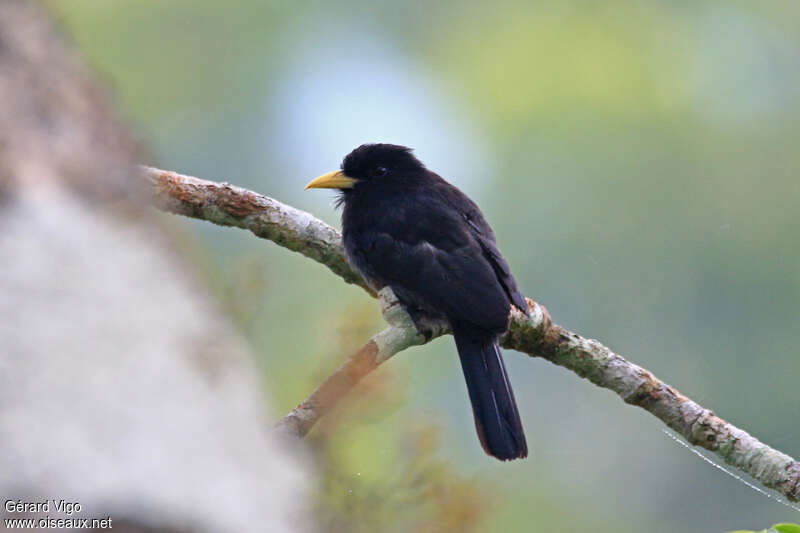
(493, 405)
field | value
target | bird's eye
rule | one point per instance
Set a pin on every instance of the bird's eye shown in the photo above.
(379, 171)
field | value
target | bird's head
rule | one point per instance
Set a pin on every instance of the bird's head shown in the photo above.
(371, 164)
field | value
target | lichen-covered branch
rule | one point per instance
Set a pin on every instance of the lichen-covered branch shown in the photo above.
(534, 335)
(228, 205)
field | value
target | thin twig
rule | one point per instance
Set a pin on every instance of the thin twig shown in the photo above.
(400, 334)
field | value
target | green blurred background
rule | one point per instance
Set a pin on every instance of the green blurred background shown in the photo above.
(638, 162)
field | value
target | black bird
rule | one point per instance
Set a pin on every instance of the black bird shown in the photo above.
(406, 227)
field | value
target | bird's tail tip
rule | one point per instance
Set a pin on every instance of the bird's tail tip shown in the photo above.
(494, 408)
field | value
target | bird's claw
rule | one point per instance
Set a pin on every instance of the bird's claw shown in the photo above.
(394, 312)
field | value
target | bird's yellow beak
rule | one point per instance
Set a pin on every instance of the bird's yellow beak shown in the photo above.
(332, 180)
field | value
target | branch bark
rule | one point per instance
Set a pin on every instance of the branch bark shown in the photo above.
(534, 335)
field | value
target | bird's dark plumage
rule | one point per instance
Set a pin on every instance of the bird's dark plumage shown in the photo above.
(406, 227)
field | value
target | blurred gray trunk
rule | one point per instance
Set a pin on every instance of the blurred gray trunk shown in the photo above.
(122, 388)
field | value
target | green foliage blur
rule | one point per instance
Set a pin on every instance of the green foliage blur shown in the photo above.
(777, 528)
(638, 161)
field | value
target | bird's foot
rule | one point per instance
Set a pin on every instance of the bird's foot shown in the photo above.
(429, 326)
(395, 312)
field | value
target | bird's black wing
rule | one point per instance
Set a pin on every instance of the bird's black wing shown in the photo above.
(483, 233)
(501, 268)
(434, 262)
(444, 259)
